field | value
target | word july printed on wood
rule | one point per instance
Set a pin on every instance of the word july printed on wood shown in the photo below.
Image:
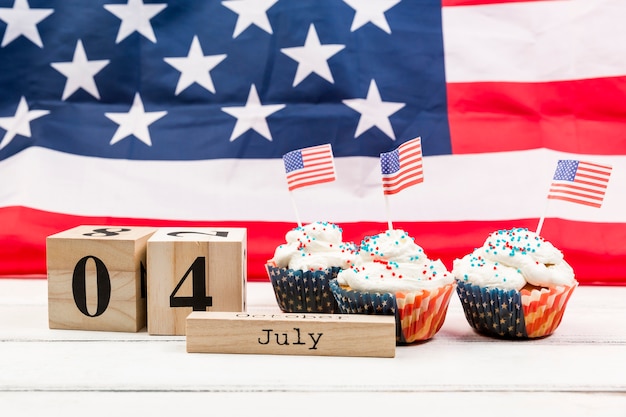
(284, 341)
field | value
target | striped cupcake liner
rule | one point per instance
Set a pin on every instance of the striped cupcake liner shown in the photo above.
(422, 313)
(544, 309)
(299, 291)
(513, 314)
(419, 314)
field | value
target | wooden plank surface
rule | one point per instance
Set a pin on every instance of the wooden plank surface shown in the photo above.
(578, 371)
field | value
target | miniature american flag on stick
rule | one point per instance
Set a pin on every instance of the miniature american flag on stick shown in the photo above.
(402, 167)
(309, 166)
(580, 182)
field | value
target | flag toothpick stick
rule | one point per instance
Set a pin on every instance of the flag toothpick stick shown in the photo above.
(388, 211)
(295, 209)
(400, 169)
(542, 218)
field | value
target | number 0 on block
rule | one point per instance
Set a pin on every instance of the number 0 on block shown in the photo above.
(97, 278)
(194, 269)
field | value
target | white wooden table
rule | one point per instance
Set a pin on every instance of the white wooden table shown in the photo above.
(578, 371)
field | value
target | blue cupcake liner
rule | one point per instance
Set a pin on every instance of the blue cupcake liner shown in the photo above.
(493, 311)
(299, 291)
(357, 302)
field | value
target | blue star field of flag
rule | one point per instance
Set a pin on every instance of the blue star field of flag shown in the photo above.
(194, 80)
(566, 170)
(293, 161)
(390, 162)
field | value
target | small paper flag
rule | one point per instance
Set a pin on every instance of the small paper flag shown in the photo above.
(402, 167)
(580, 182)
(309, 166)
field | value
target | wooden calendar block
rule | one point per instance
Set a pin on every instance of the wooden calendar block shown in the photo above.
(194, 269)
(97, 278)
(292, 334)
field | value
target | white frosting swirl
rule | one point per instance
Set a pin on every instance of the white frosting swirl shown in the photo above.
(511, 258)
(314, 246)
(392, 261)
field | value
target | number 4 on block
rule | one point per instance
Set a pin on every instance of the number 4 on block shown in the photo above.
(97, 278)
(194, 269)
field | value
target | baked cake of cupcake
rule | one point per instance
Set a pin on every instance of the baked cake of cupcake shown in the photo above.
(392, 275)
(516, 285)
(302, 268)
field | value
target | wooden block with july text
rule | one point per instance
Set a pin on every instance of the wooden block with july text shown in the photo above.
(194, 269)
(292, 334)
(97, 278)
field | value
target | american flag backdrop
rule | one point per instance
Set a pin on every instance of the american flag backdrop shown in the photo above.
(161, 113)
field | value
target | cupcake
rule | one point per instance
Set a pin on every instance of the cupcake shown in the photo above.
(392, 275)
(516, 285)
(302, 268)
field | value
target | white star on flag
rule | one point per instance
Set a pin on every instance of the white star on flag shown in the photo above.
(20, 123)
(250, 12)
(371, 11)
(135, 122)
(80, 72)
(195, 67)
(252, 116)
(374, 111)
(21, 20)
(135, 17)
(312, 57)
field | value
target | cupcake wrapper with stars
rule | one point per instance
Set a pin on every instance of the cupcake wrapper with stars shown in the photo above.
(419, 314)
(299, 291)
(513, 314)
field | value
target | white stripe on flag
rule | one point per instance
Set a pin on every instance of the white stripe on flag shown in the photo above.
(201, 190)
(535, 41)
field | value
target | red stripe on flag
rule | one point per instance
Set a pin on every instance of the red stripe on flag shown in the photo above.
(595, 180)
(581, 116)
(602, 170)
(308, 175)
(574, 188)
(25, 232)
(598, 182)
(405, 178)
(450, 3)
(415, 170)
(575, 200)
